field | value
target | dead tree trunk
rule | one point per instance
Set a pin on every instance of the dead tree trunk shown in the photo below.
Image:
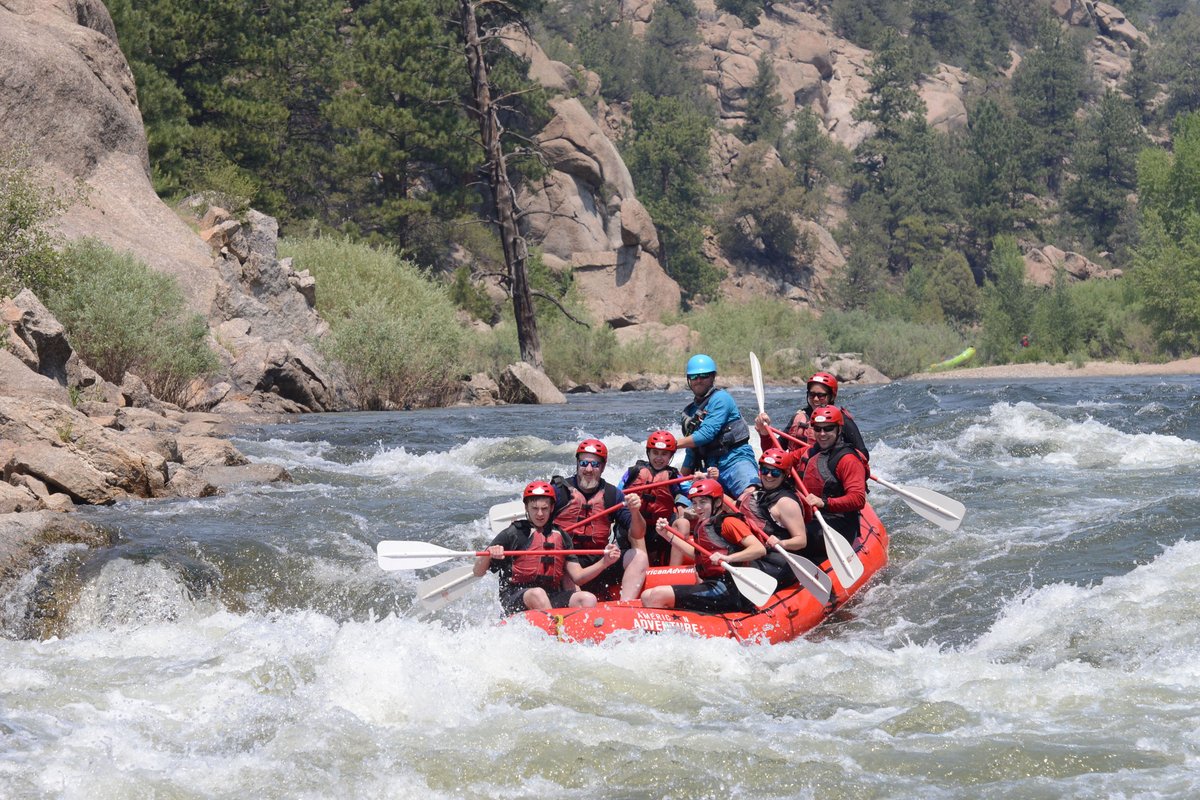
(516, 251)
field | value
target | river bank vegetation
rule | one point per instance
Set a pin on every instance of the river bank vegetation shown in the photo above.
(350, 129)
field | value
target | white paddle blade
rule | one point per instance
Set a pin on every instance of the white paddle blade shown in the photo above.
(845, 562)
(757, 377)
(395, 555)
(754, 584)
(441, 590)
(809, 575)
(945, 512)
(504, 514)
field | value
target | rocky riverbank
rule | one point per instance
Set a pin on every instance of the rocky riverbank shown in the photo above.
(68, 437)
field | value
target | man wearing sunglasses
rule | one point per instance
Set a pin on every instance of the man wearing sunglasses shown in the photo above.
(583, 495)
(822, 391)
(715, 434)
(833, 480)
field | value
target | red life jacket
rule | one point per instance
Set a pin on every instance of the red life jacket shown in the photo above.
(710, 539)
(595, 534)
(800, 429)
(541, 570)
(656, 503)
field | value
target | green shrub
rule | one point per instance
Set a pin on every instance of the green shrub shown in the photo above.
(27, 255)
(394, 331)
(465, 294)
(730, 331)
(121, 316)
(893, 346)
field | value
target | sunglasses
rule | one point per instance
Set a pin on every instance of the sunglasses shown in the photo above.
(770, 472)
(824, 428)
(819, 395)
(587, 462)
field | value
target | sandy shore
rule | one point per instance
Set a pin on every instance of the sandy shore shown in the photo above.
(1091, 369)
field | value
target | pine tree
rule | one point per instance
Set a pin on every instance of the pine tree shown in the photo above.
(1048, 90)
(763, 120)
(410, 149)
(1167, 258)
(667, 155)
(1105, 166)
(996, 177)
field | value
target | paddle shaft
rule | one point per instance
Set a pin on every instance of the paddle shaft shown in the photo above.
(510, 553)
(698, 548)
(900, 490)
(635, 489)
(808, 574)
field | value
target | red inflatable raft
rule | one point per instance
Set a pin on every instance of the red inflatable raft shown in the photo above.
(791, 612)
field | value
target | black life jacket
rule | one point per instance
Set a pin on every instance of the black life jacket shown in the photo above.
(827, 463)
(766, 501)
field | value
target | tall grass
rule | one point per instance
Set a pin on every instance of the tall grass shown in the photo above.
(729, 331)
(121, 316)
(394, 331)
(786, 339)
(893, 346)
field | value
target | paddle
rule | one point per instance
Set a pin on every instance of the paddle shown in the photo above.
(394, 555)
(504, 514)
(808, 574)
(845, 562)
(943, 511)
(754, 584)
(444, 588)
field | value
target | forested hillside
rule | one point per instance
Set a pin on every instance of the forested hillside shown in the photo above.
(1080, 136)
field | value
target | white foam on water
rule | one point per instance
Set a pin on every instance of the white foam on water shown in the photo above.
(1026, 432)
(1146, 620)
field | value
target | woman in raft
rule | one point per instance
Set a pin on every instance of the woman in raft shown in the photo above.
(729, 540)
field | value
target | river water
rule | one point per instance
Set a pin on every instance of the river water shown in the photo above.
(249, 645)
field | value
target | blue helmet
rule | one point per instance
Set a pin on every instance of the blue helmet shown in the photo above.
(700, 364)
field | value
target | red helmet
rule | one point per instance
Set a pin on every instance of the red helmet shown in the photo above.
(826, 415)
(662, 440)
(774, 457)
(593, 447)
(707, 487)
(826, 380)
(538, 489)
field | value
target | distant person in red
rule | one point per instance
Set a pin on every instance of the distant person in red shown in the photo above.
(1025, 340)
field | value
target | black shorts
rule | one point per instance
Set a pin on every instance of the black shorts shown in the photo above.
(513, 600)
(775, 565)
(716, 595)
(610, 577)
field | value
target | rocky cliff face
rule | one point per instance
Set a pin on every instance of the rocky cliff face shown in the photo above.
(68, 98)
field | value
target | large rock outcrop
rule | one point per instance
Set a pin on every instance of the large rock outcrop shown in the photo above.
(585, 215)
(69, 101)
(67, 437)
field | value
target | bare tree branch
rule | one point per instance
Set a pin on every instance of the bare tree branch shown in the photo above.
(567, 314)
